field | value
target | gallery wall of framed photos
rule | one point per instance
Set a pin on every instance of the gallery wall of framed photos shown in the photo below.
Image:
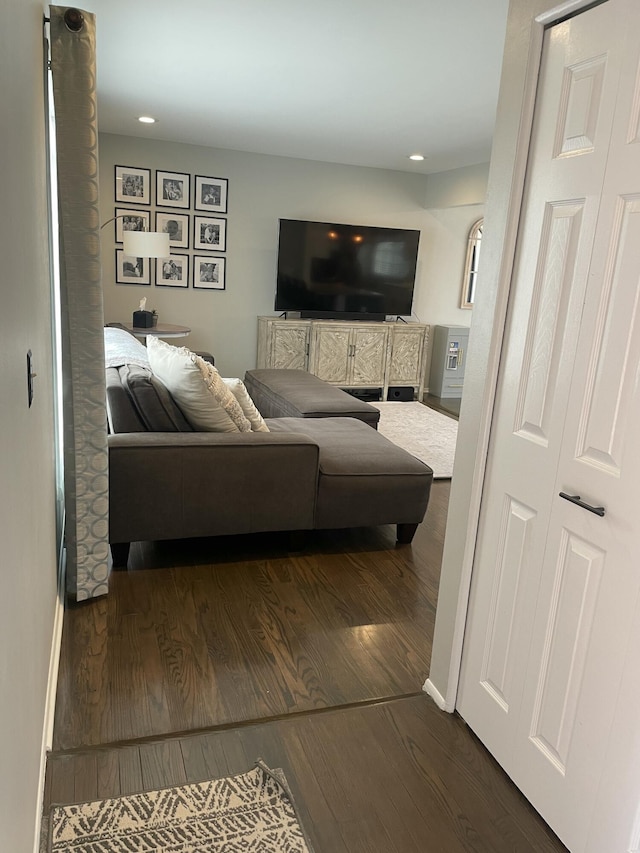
(191, 209)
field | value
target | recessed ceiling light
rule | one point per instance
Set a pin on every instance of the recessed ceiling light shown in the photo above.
(147, 119)
(416, 156)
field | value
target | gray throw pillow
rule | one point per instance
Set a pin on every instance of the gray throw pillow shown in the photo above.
(156, 407)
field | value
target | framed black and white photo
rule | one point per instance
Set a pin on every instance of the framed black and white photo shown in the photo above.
(172, 271)
(131, 270)
(176, 225)
(209, 233)
(172, 189)
(130, 220)
(133, 185)
(211, 194)
(209, 272)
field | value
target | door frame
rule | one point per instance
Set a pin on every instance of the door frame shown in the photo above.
(526, 23)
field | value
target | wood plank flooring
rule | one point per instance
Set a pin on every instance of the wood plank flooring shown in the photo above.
(392, 777)
(220, 631)
(209, 654)
(446, 405)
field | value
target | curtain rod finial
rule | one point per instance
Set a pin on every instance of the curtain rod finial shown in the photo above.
(74, 20)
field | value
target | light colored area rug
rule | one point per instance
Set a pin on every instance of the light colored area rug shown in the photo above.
(240, 814)
(421, 431)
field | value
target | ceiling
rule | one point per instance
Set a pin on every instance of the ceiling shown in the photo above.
(359, 82)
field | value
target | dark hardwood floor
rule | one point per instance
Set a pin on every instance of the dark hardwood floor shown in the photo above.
(208, 654)
(446, 405)
(392, 777)
(220, 632)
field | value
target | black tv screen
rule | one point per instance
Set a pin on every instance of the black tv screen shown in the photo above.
(345, 271)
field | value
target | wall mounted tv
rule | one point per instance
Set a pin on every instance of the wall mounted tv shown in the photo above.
(349, 272)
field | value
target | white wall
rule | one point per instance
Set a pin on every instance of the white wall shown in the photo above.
(27, 506)
(263, 189)
(445, 234)
(454, 201)
(458, 187)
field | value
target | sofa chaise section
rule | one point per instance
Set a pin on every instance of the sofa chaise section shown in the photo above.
(364, 479)
(285, 393)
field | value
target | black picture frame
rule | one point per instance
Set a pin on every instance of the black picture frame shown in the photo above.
(210, 233)
(132, 185)
(173, 189)
(173, 271)
(130, 219)
(211, 194)
(209, 272)
(176, 225)
(136, 271)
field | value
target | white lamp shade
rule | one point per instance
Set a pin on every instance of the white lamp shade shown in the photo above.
(146, 244)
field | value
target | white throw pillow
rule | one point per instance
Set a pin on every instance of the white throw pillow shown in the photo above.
(247, 405)
(197, 388)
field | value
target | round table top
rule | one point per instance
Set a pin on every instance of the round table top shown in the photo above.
(161, 330)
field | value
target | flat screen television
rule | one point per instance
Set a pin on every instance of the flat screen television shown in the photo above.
(352, 272)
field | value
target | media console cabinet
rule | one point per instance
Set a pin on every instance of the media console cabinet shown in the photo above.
(350, 355)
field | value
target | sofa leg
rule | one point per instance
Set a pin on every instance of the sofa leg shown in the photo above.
(406, 533)
(120, 554)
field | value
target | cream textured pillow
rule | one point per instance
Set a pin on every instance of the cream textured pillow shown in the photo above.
(197, 388)
(247, 405)
(216, 386)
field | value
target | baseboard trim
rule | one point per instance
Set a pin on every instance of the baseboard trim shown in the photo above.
(52, 687)
(431, 690)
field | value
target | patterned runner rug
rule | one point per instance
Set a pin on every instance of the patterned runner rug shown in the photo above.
(240, 814)
(421, 431)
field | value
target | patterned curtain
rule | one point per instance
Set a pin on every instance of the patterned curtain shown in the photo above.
(73, 66)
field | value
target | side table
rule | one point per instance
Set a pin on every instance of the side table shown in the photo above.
(162, 330)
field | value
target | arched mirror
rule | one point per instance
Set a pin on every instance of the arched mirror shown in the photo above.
(467, 297)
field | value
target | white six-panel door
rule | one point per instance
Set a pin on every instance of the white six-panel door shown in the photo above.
(555, 588)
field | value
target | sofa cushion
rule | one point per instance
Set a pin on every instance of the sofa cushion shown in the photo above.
(122, 415)
(365, 479)
(197, 388)
(154, 404)
(298, 394)
(138, 402)
(239, 391)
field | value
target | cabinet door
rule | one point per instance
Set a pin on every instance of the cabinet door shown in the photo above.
(407, 355)
(330, 349)
(289, 345)
(368, 356)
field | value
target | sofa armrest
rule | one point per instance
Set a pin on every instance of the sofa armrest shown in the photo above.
(180, 485)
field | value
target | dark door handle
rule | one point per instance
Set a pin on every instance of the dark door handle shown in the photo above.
(575, 499)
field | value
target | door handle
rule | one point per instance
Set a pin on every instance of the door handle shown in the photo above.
(575, 499)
